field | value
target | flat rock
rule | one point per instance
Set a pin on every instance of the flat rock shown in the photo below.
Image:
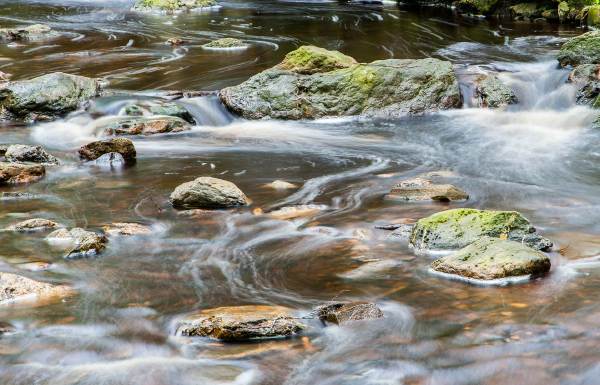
(46, 97)
(455, 229)
(16, 173)
(226, 43)
(157, 107)
(127, 229)
(421, 189)
(15, 287)
(35, 32)
(343, 312)
(26, 153)
(310, 87)
(35, 224)
(208, 193)
(94, 150)
(491, 258)
(241, 323)
(78, 242)
(145, 126)
(490, 92)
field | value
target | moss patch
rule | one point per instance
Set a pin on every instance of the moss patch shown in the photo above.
(309, 59)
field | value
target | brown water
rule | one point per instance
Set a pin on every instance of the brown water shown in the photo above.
(540, 158)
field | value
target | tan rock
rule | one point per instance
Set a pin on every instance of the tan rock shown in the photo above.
(421, 189)
(35, 224)
(16, 287)
(127, 229)
(15, 173)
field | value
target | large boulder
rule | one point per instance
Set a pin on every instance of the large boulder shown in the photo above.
(491, 258)
(33, 154)
(47, 96)
(208, 193)
(457, 228)
(241, 323)
(145, 125)
(582, 49)
(344, 312)
(35, 32)
(16, 173)
(170, 6)
(35, 224)
(95, 150)
(421, 189)
(15, 287)
(313, 83)
(490, 92)
(78, 242)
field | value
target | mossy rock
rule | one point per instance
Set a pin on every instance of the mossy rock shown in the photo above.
(153, 107)
(525, 10)
(582, 49)
(491, 258)
(457, 228)
(225, 43)
(492, 93)
(310, 59)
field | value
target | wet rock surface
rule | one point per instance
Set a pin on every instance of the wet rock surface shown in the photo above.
(78, 242)
(46, 97)
(146, 126)
(207, 192)
(149, 108)
(582, 49)
(127, 229)
(344, 312)
(170, 6)
(17, 173)
(385, 88)
(95, 150)
(35, 32)
(421, 189)
(492, 93)
(35, 224)
(225, 43)
(491, 258)
(26, 153)
(587, 79)
(241, 323)
(454, 229)
(14, 287)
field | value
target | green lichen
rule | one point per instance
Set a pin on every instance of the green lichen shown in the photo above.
(309, 59)
(364, 77)
(226, 42)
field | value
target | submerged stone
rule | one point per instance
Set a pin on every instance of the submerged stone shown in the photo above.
(25, 153)
(492, 93)
(35, 224)
(79, 242)
(209, 193)
(172, 5)
(457, 228)
(241, 323)
(421, 189)
(15, 287)
(95, 150)
(33, 32)
(314, 87)
(343, 312)
(294, 212)
(145, 126)
(127, 229)
(46, 97)
(16, 173)
(281, 185)
(154, 107)
(491, 258)
(225, 43)
(582, 49)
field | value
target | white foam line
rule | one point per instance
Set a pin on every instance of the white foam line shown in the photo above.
(482, 282)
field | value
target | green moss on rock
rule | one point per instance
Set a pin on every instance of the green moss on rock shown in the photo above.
(481, 7)
(309, 59)
(582, 49)
(226, 42)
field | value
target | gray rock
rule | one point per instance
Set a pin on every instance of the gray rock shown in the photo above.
(34, 32)
(343, 312)
(454, 229)
(158, 107)
(582, 49)
(207, 192)
(421, 189)
(17, 173)
(171, 6)
(309, 88)
(78, 242)
(33, 154)
(95, 150)
(492, 93)
(145, 126)
(35, 224)
(110, 160)
(491, 258)
(225, 43)
(46, 97)
(587, 79)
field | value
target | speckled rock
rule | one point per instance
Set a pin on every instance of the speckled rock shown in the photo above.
(343, 312)
(421, 189)
(127, 229)
(492, 93)
(35, 224)
(16, 173)
(145, 126)
(492, 258)
(454, 229)
(94, 150)
(582, 49)
(78, 242)
(241, 323)
(170, 6)
(15, 287)
(207, 192)
(33, 154)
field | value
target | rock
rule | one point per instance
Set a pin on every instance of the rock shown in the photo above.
(207, 192)
(385, 88)
(6, 328)
(477, 7)
(294, 212)
(16, 195)
(492, 258)
(155, 107)
(145, 126)
(454, 229)
(81, 242)
(525, 10)
(127, 229)
(226, 43)
(241, 323)
(170, 6)
(587, 79)
(94, 150)
(15, 287)
(34, 32)
(309, 60)
(47, 96)
(15, 173)
(25, 153)
(582, 49)
(110, 160)
(492, 93)
(3, 148)
(175, 41)
(35, 224)
(281, 185)
(420, 189)
(343, 312)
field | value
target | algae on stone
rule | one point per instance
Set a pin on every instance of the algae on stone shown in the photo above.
(225, 43)
(309, 59)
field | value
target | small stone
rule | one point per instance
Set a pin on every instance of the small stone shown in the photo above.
(94, 150)
(208, 193)
(146, 126)
(492, 93)
(492, 258)
(35, 224)
(16, 173)
(81, 242)
(344, 312)
(127, 229)
(34, 32)
(226, 43)
(110, 160)
(175, 41)
(293, 212)
(241, 323)
(281, 185)
(33, 154)
(15, 287)
(16, 195)
(420, 189)
(172, 6)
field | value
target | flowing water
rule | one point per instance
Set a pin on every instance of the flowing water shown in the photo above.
(539, 157)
